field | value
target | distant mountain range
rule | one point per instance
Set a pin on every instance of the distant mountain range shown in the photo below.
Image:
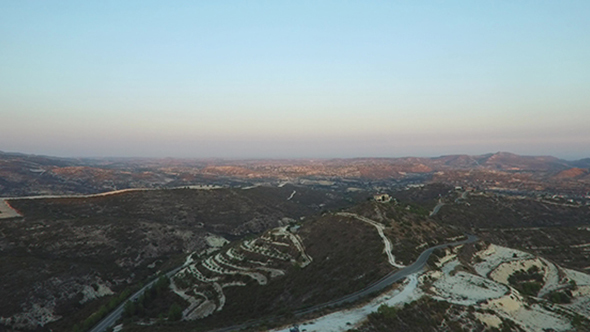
(22, 174)
(498, 160)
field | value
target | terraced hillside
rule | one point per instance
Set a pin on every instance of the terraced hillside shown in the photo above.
(256, 261)
(69, 256)
(299, 265)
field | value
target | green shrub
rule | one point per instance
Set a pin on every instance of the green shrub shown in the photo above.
(175, 312)
(527, 282)
(561, 297)
(385, 313)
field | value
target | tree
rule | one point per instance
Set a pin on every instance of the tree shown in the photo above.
(175, 312)
(130, 309)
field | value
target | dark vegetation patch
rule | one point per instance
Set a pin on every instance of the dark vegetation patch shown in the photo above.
(86, 316)
(491, 212)
(410, 231)
(467, 253)
(563, 295)
(157, 302)
(552, 231)
(426, 196)
(221, 210)
(123, 239)
(528, 282)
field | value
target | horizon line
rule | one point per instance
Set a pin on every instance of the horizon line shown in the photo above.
(280, 158)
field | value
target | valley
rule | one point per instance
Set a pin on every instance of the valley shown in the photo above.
(294, 166)
(329, 253)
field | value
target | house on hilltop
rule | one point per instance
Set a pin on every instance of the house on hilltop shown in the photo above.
(383, 198)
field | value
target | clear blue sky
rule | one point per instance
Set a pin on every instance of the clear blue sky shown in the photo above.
(279, 79)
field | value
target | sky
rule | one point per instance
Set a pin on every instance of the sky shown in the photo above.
(294, 79)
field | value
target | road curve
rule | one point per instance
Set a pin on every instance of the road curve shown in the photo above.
(381, 284)
(389, 279)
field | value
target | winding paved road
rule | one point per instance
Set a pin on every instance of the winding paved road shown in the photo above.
(389, 279)
(114, 316)
(378, 286)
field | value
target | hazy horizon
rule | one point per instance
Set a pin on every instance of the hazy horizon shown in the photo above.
(262, 79)
(276, 158)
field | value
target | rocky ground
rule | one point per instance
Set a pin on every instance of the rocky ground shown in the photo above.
(259, 252)
(556, 231)
(469, 290)
(300, 265)
(65, 252)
